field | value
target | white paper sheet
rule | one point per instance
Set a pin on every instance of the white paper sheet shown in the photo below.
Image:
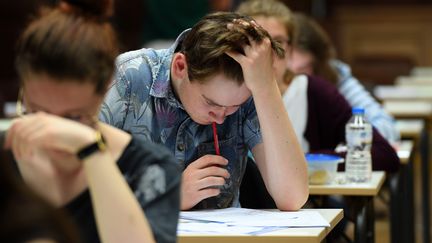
(202, 228)
(260, 218)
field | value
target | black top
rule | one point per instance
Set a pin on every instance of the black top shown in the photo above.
(23, 215)
(154, 178)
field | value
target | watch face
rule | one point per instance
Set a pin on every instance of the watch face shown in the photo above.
(98, 145)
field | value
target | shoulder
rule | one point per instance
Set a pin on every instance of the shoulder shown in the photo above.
(340, 66)
(137, 71)
(318, 87)
(141, 155)
(343, 71)
(142, 64)
(322, 93)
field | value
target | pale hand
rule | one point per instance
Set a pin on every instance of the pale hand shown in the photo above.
(47, 132)
(257, 60)
(201, 179)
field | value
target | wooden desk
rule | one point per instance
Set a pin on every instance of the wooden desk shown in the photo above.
(413, 81)
(350, 189)
(4, 124)
(361, 202)
(410, 128)
(404, 150)
(294, 235)
(387, 92)
(421, 71)
(416, 109)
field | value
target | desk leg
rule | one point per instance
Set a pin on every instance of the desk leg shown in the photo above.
(402, 204)
(364, 220)
(370, 220)
(408, 208)
(424, 153)
(397, 189)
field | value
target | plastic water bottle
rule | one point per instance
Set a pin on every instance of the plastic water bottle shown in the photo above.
(358, 133)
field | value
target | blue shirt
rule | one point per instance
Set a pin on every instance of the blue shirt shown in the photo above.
(358, 96)
(141, 101)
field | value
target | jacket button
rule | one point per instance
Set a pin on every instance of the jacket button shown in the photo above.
(180, 147)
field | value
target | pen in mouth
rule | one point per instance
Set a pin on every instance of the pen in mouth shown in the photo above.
(215, 138)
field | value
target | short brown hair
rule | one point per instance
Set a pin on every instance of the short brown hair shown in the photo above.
(73, 41)
(208, 41)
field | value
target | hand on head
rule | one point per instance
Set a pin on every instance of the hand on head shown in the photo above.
(257, 57)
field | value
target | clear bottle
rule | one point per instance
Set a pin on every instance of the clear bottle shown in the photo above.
(358, 134)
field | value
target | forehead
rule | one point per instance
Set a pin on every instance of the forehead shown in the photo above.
(52, 96)
(224, 91)
(272, 25)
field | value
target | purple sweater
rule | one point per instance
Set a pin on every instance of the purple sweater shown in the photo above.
(328, 112)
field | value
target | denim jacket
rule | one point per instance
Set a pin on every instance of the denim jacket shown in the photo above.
(141, 101)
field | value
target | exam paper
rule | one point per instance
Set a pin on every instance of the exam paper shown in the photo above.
(200, 228)
(259, 218)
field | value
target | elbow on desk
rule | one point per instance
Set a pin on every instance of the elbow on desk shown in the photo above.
(292, 201)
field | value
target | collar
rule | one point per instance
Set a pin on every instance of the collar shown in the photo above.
(161, 86)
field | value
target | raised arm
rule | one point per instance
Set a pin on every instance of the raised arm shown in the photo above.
(279, 158)
(118, 214)
(39, 140)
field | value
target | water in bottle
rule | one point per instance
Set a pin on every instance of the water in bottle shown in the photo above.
(358, 133)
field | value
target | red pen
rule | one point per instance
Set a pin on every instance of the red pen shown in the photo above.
(215, 138)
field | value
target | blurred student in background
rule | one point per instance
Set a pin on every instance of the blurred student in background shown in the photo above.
(317, 110)
(314, 54)
(116, 187)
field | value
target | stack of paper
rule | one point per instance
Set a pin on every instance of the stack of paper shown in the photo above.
(245, 221)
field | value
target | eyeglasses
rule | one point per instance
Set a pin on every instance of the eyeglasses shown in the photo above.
(86, 119)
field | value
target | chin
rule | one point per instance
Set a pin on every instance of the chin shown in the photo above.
(204, 122)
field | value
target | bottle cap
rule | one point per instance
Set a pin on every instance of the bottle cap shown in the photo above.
(358, 110)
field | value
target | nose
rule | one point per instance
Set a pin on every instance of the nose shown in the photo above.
(218, 115)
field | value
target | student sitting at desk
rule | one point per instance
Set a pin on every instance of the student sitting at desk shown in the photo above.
(313, 54)
(116, 187)
(220, 71)
(317, 110)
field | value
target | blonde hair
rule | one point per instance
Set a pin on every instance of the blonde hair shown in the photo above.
(270, 8)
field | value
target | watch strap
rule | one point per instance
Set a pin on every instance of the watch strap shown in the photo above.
(97, 146)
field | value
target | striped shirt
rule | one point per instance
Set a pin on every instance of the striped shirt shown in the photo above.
(357, 96)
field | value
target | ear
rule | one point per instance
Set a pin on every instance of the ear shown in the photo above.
(179, 69)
